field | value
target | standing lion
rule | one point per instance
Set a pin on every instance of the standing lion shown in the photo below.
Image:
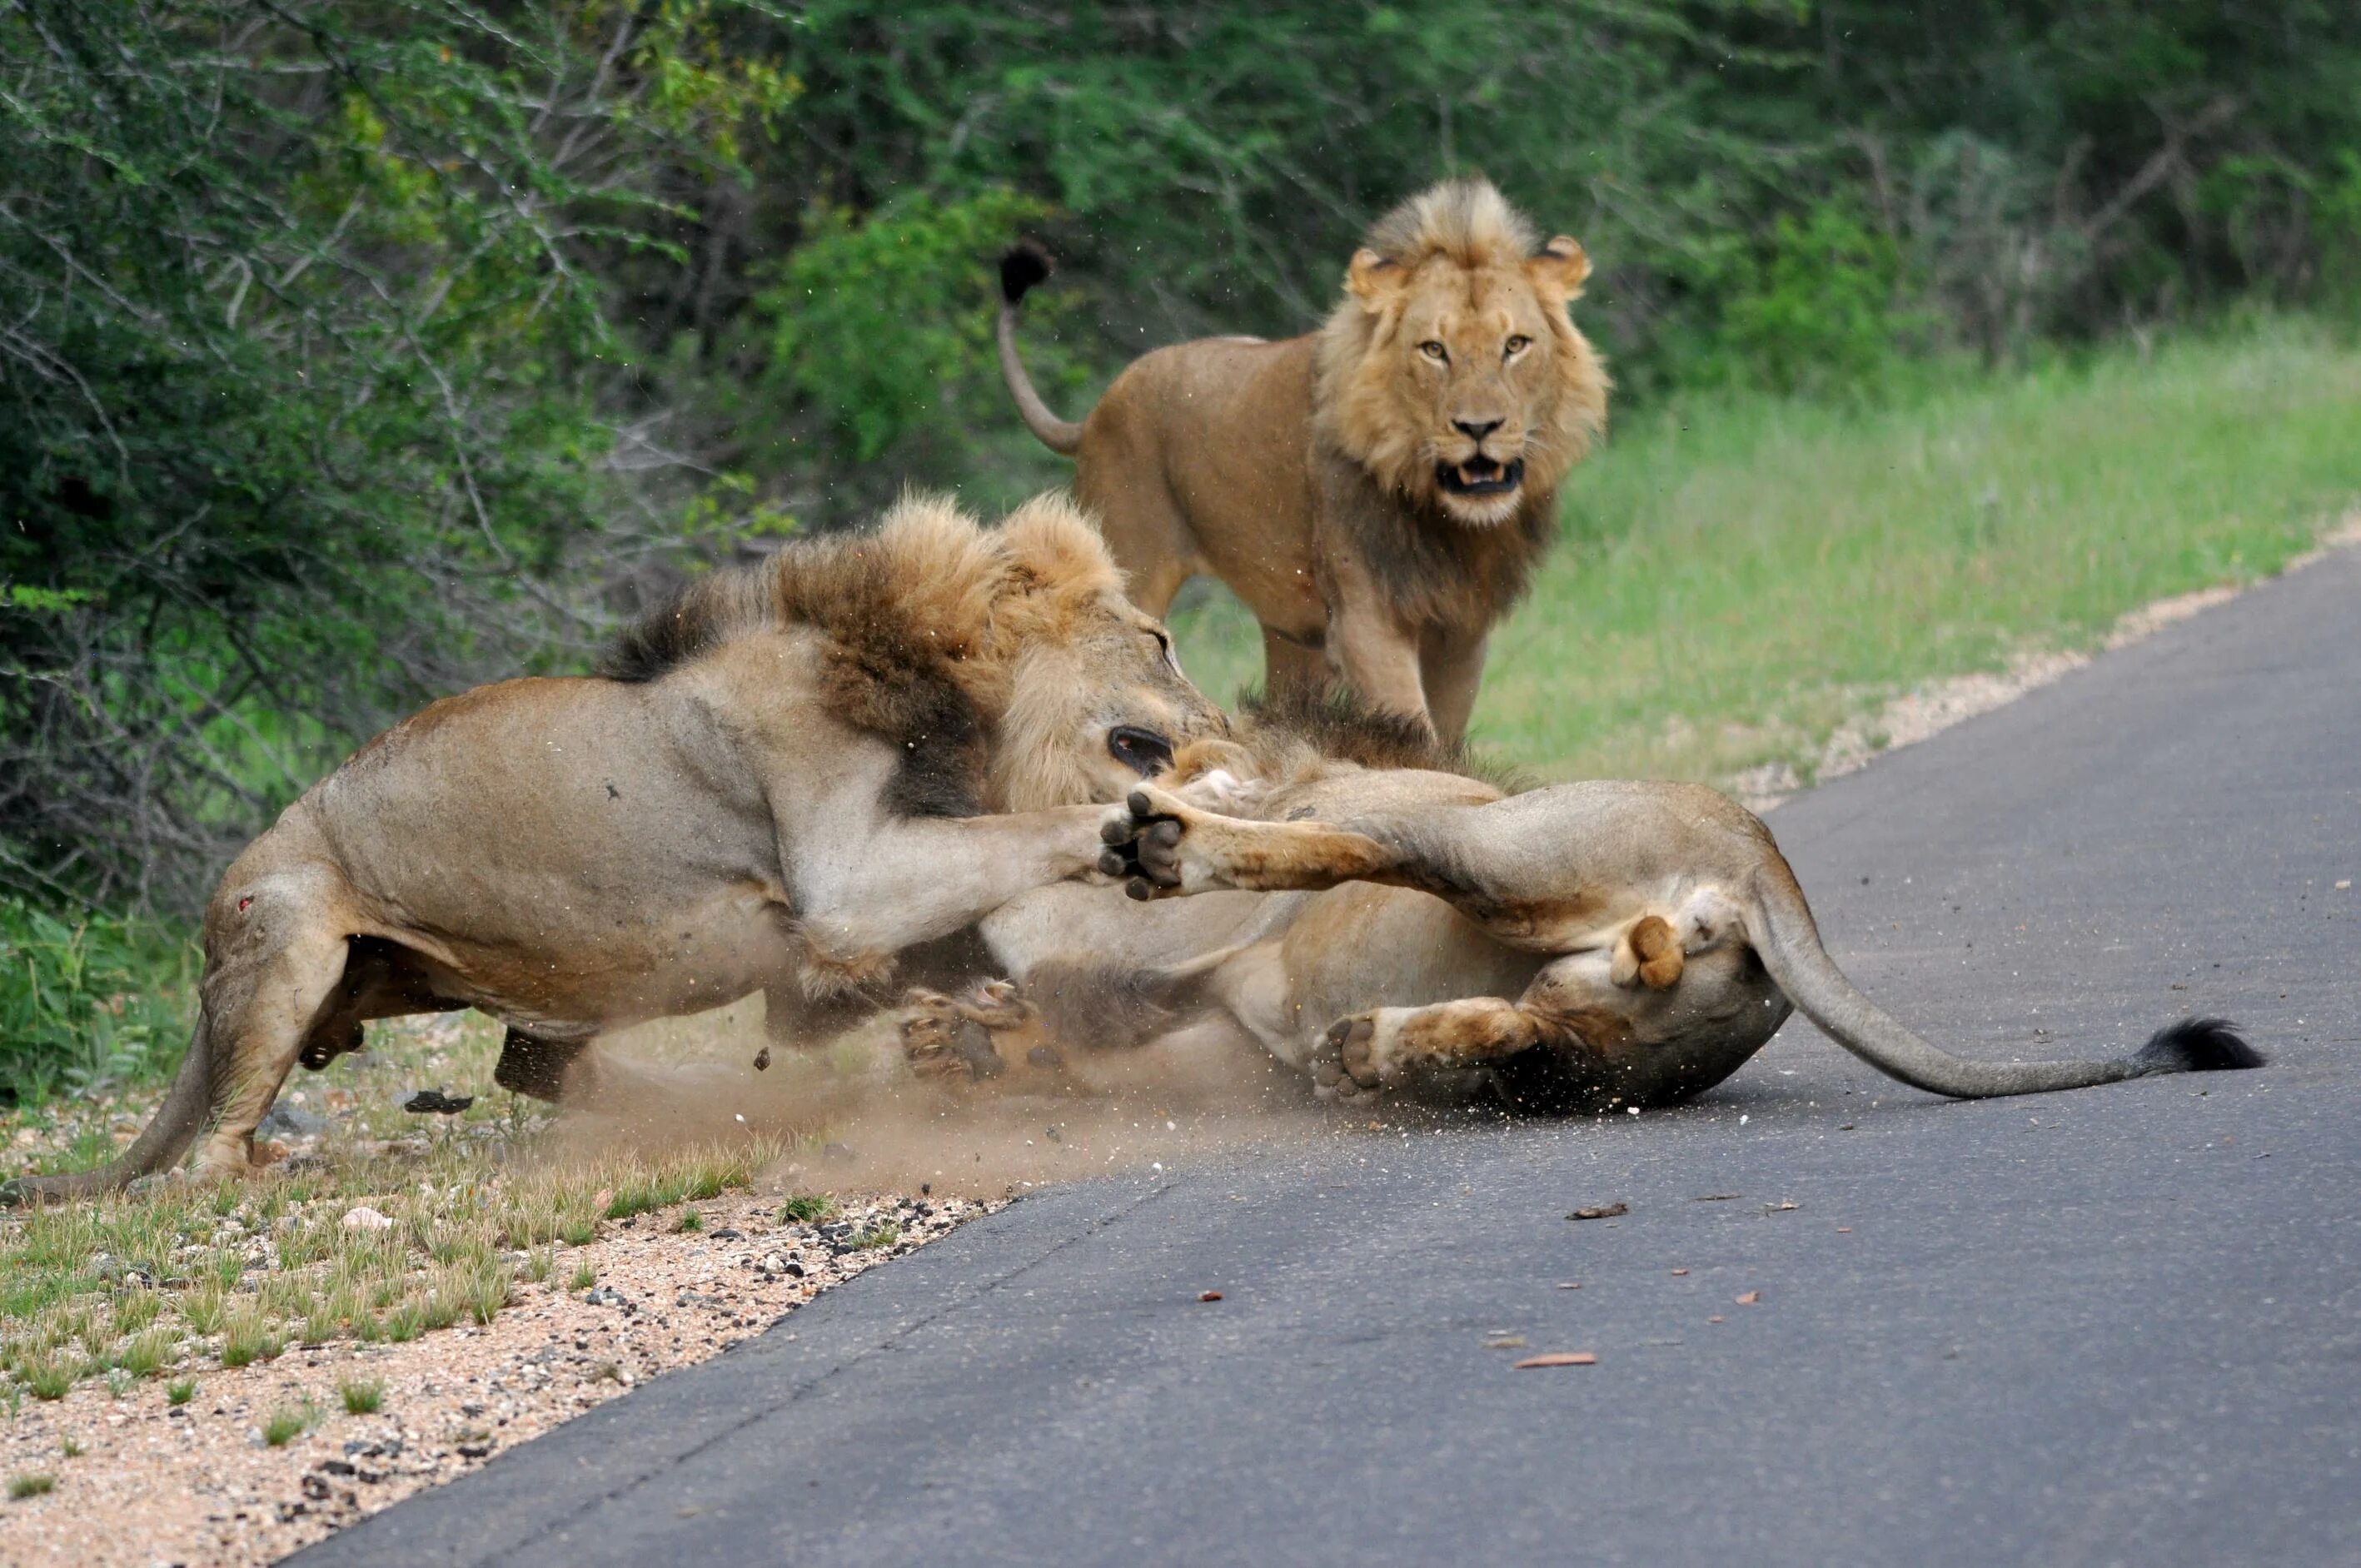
(1379, 491)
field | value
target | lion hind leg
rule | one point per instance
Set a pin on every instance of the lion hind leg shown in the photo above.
(1387, 1044)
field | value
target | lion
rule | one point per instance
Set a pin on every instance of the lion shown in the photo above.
(1379, 492)
(1346, 898)
(783, 779)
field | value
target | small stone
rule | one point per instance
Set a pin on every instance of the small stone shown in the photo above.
(361, 1217)
(290, 1122)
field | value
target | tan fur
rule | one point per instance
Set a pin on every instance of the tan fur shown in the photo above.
(1587, 946)
(1305, 474)
(776, 789)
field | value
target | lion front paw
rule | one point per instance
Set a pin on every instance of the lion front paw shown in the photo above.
(1143, 843)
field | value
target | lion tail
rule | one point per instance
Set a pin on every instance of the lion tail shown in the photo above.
(1026, 265)
(1779, 927)
(167, 1137)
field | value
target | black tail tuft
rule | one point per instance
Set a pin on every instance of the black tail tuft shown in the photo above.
(1025, 265)
(2198, 1045)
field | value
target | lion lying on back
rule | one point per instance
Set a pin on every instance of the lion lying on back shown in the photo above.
(1380, 491)
(1355, 905)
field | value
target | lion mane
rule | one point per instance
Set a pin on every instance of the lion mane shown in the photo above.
(923, 618)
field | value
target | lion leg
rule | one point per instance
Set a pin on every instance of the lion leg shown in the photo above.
(273, 975)
(1452, 669)
(1290, 665)
(1162, 843)
(1377, 657)
(1145, 531)
(1387, 1044)
(536, 1067)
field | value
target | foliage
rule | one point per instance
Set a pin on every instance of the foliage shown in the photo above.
(299, 418)
(87, 1003)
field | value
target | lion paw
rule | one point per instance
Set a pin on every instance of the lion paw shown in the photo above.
(1350, 1060)
(1143, 845)
(941, 1041)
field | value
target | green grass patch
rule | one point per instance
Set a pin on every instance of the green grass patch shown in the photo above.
(181, 1392)
(805, 1208)
(362, 1397)
(1739, 575)
(287, 1423)
(23, 1486)
(886, 1232)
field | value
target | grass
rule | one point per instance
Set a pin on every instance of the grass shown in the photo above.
(1740, 576)
(288, 1423)
(180, 1278)
(23, 1486)
(181, 1392)
(362, 1397)
(886, 1232)
(805, 1208)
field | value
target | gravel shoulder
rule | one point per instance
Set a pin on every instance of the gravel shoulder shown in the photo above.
(151, 1482)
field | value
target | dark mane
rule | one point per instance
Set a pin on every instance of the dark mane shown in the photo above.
(888, 668)
(1338, 724)
(694, 619)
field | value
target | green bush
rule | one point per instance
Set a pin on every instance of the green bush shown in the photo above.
(87, 1003)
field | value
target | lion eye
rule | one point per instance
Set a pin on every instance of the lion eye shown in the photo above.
(1515, 346)
(1435, 352)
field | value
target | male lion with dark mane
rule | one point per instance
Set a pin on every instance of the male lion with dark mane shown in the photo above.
(788, 775)
(1377, 492)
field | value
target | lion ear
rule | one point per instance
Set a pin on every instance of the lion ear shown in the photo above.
(1373, 279)
(1562, 266)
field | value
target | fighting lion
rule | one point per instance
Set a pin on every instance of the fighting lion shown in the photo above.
(786, 777)
(1365, 912)
(1377, 492)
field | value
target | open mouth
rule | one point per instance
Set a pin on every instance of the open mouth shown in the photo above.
(1480, 476)
(1143, 752)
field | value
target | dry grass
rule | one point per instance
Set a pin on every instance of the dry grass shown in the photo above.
(179, 1277)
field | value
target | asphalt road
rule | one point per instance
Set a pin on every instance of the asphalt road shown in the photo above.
(2119, 1326)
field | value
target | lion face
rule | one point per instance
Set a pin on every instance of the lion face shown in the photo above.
(1096, 710)
(1453, 371)
(1094, 699)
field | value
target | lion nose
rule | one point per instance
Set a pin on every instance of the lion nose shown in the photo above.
(1476, 429)
(1143, 752)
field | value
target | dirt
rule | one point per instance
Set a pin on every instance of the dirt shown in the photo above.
(198, 1484)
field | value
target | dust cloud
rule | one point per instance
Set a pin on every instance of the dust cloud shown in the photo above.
(858, 1118)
